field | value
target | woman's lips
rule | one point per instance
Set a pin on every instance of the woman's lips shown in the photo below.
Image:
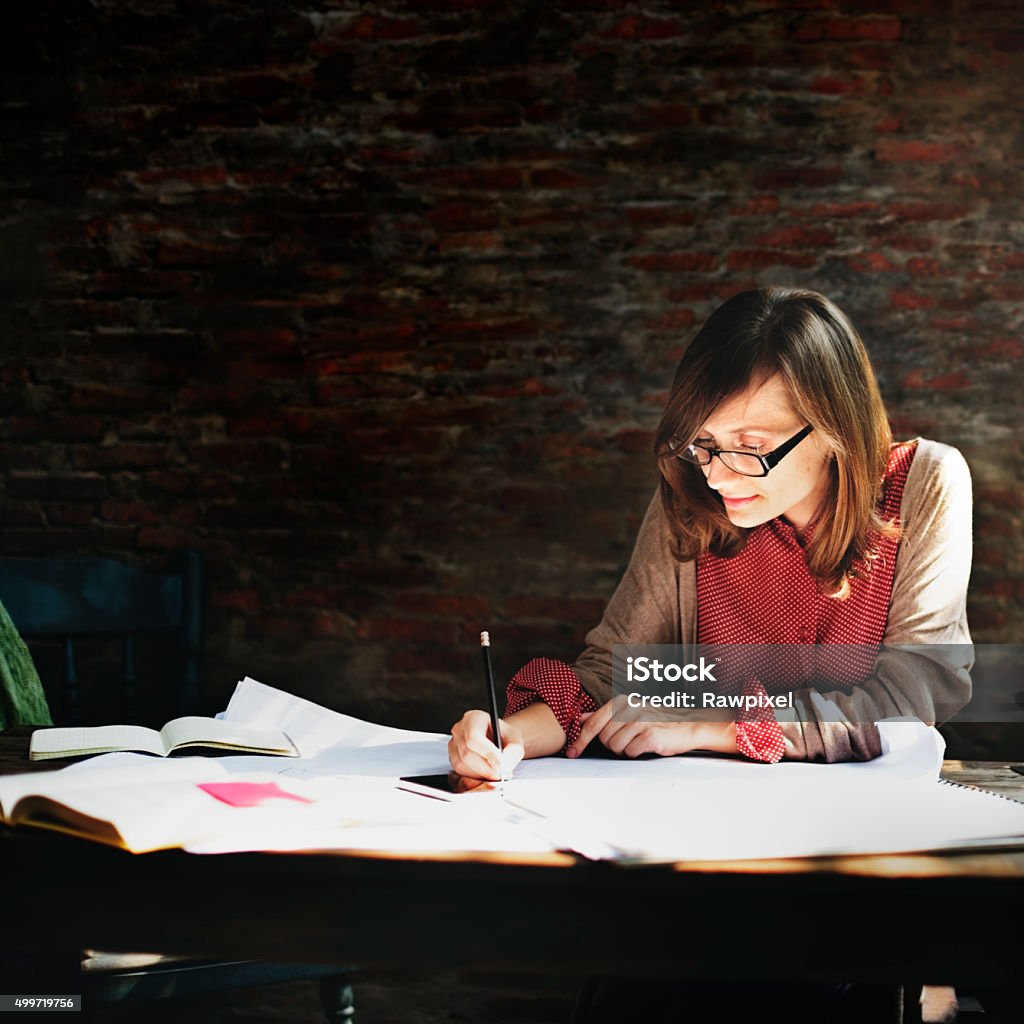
(737, 502)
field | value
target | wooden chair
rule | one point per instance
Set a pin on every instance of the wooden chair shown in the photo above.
(75, 600)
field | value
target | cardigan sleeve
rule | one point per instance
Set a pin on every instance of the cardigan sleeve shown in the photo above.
(923, 669)
(655, 597)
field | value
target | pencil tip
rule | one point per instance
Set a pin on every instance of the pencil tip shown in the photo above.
(485, 639)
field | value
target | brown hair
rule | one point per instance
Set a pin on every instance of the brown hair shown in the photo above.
(808, 341)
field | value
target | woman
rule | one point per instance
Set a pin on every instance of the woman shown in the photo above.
(785, 515)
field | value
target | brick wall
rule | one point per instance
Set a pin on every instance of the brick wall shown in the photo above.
(377, 304)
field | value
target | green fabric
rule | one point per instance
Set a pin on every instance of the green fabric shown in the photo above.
(22, 701)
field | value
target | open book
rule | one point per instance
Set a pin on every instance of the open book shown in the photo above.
(140, 804)
(180, 734)
(129, 807)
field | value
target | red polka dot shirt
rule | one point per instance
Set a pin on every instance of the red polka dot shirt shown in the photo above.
(763, 595)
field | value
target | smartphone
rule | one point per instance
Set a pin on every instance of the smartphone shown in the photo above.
(449, 782)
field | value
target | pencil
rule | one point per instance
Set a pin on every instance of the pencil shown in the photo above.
(492, 700)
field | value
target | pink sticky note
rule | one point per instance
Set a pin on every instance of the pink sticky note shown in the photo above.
(249, 794)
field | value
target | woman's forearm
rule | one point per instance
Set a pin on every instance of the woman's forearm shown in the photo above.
(540, 731)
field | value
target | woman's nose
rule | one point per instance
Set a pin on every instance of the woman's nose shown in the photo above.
(716, 472)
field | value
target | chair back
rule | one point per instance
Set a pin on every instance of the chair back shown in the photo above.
(79, 598)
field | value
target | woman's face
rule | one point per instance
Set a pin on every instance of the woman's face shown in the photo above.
(759, 420)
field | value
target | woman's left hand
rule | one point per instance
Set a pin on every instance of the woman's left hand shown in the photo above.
(612, 724)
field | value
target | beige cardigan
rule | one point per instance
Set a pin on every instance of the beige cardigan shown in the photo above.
(656, 603)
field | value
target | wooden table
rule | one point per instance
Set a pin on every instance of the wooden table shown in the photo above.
(944, 917)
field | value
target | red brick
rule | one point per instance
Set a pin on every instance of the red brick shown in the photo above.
(882, 29)
(829, 85)
(168, 537)
(242, 599)
(475, 331)
(418, 631)
(872, 58)
(120, 456)
(984, 619)
(69, 515)
(49, 541)
(755, 206)
(136, 282)
(236, 455)
(479, 241)
(913, 210)
(660, 215)
(911, 300)
(1005, 291)
(637, 27)
(797, 177)
(194, 254)
(391, 155)
(468, 178)
(910, 243)
(59, 486)
(92, 398)
(922, 266)
(871, 262)
(257, 425)
(262, 340)
(1010, 589)
(667, 115)
(444, 121)
(515, 387)
(444, 605)
(383, 574)
(918, 151)
(676, 262)
(184, 176)
(1009, 499)
(952, 381)
(757, 259)
(958, 324)
(795, 235)
(464, 216)
(555, 177)
(329, 623)
(370, 27)
(1011, 41)
(855, 208)
(674, 320)
(907, 425)
(129, 512)
(1007, 347)
(62, 428)
(429, 660)
(587, 611)
(638, 441)
(21, 513)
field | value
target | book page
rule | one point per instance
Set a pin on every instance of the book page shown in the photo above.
(147, 816)
(312, 727)
(214, 732)
(109, 771)
(92, 740)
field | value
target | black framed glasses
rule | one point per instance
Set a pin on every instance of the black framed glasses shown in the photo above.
(744, 463)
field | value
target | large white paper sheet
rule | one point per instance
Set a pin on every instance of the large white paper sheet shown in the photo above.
(691, 807)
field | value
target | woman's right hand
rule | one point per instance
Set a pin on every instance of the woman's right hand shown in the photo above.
(472, 752)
